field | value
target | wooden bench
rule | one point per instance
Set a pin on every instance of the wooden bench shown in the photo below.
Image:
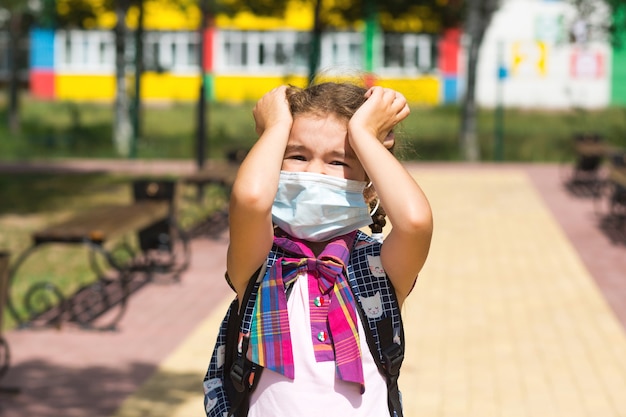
(615, 187)
(5, 356)
(585, 176)
(220, 173)
(161, 247)
(610, 202)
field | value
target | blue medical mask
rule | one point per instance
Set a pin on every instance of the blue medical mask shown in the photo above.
(318, 207)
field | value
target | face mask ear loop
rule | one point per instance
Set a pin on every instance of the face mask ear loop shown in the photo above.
(375, 207)
(369, 184)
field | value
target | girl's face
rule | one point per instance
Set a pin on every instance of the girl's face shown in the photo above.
(320, 145)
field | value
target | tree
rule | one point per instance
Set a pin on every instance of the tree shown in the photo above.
(477, 19)
(122, 127)
(20, 17)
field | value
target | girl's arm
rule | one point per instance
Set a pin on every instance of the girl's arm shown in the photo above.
(406, 247)
(254, 189)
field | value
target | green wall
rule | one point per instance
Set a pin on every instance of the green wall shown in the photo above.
(618, 67)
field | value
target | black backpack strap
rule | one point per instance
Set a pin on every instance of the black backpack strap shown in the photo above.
(242, 374)
(387, 353)
(392, 357)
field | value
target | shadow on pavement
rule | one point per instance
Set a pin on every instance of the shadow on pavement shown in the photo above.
(47, 390)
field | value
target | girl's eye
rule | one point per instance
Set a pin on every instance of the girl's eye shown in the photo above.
(296, 157)
(339, 163)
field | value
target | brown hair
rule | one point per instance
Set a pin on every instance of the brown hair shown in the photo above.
(341, 100)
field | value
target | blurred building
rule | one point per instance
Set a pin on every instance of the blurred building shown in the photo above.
(244, 57)
(534, 54)
(541, 53)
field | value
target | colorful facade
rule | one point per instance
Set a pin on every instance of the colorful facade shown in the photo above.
(244, 57)
(540, 54)
(527, 58)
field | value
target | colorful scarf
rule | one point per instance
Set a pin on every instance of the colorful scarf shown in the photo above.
(334, 330)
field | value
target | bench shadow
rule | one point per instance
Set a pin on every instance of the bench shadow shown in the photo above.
(49, 390)
(614, 228)
(99, 305)
(212, 226)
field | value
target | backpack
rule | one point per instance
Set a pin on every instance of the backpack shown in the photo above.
(231, 377)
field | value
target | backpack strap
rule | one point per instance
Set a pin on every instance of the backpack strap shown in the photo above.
(380, 314)
(243, 375)
(384, 331)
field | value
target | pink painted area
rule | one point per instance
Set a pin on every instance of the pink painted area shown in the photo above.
(587, 64)
(42, 84)
(209, 38)
(449, 47)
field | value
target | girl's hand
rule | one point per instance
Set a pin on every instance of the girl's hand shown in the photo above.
(383, 109)
(272, 110)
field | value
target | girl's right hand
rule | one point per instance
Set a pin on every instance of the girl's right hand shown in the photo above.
(271, 110)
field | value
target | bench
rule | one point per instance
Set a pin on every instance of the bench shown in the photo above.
(590, 151)
(161, 247)
(610, 202)
(5, 356)
(221, 173)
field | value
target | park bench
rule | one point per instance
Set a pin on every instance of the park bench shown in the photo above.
(215, 172)
(220, 173)
(610, 202)
(5, 356)
(613, 195)
(161, 247)
(590, 151)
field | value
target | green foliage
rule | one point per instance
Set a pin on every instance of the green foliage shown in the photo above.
(66, 129)
(34, 201)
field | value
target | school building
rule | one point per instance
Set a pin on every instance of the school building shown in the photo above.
(529, 57)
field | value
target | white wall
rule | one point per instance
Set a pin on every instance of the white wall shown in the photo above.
(545, 69)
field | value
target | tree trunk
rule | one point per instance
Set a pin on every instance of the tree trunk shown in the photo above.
(14, 68)
(136, 104)
(470, 147)
(316, 41)
(122, 128)
(477, 22)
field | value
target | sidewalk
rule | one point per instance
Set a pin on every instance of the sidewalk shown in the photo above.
(520, 311)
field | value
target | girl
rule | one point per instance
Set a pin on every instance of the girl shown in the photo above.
(301, 188)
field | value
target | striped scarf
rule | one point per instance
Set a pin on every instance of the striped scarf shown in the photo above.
(334, 330)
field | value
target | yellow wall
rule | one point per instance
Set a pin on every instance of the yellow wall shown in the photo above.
(246, 88)
(170, 87)
(102, 87)
(84, 87)
(423, 90)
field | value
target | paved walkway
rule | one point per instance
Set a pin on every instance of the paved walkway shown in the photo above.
(520, 311)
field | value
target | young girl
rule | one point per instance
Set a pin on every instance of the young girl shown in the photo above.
(301, 188)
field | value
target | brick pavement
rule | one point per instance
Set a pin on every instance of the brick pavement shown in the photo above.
(517, 313)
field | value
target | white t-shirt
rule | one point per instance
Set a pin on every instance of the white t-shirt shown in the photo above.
(315, 390)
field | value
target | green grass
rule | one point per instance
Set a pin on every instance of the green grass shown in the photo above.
(61, 129)
(30, 202)
(64, 129)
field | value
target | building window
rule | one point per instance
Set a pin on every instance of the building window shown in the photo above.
(171, 52)
(342, 49)
(85, 51)
(94, 51)
(407, 53)
(268, 52)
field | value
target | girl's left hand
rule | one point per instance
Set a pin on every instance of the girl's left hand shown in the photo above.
(383, 109)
